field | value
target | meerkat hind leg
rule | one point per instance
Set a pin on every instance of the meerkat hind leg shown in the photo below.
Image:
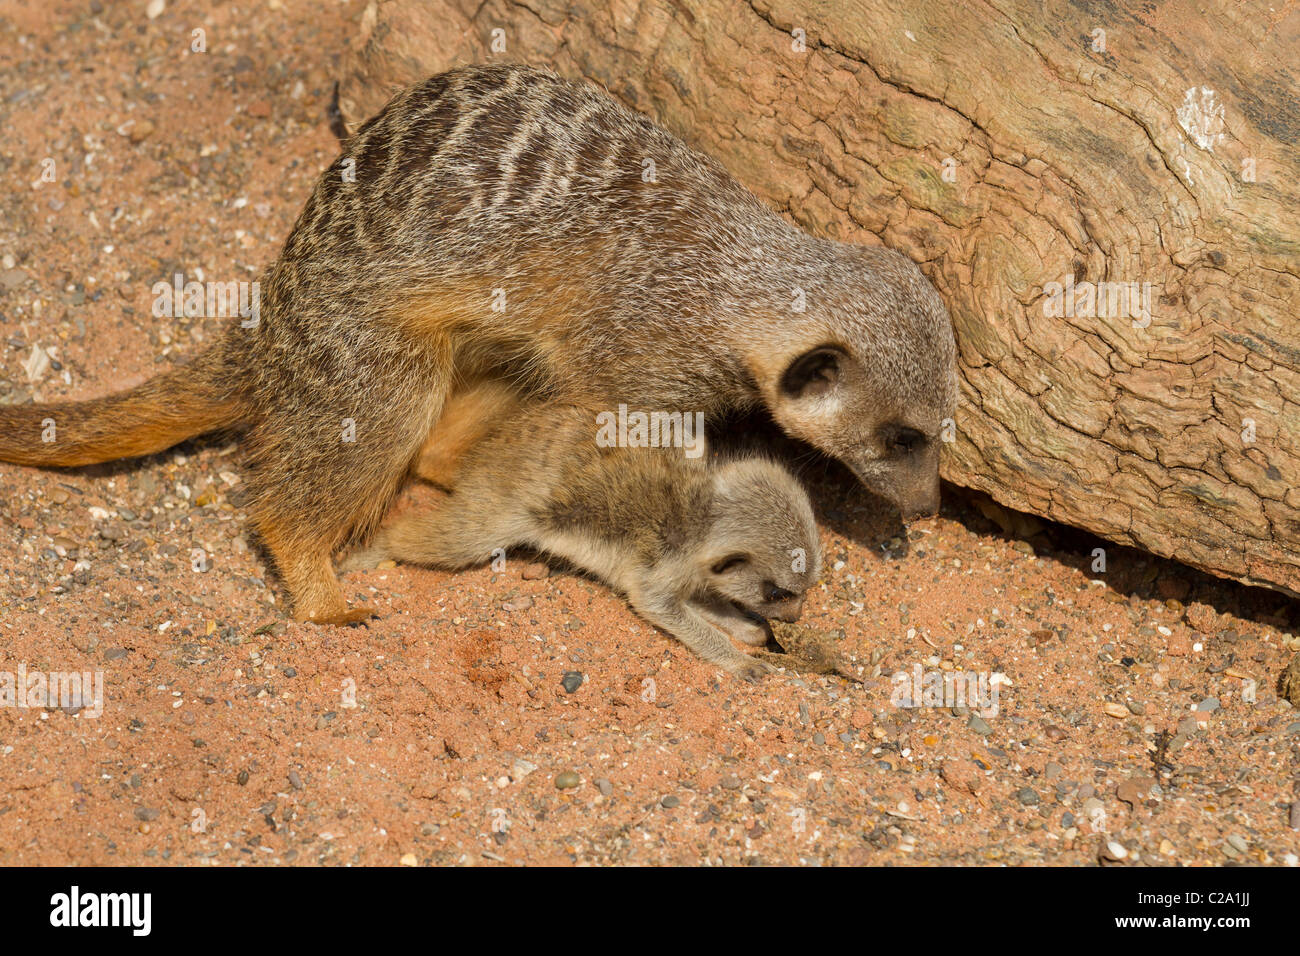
(310, 579)
(446, 534)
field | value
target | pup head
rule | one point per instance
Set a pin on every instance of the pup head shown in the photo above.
(762, 551)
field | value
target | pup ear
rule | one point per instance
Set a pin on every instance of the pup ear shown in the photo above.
(814, 373)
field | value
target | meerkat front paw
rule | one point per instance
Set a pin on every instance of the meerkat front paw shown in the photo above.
(748, 669)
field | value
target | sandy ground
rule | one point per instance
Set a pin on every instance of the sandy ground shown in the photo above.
(1138, 721)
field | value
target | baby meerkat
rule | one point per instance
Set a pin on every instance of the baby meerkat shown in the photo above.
(703, 551)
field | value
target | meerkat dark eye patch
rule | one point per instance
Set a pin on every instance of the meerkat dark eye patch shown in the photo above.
(730, 563)
(901, 440)
(813, 373)
(773, 593)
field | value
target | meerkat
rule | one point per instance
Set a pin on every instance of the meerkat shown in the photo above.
(701, 550)
(502, 218)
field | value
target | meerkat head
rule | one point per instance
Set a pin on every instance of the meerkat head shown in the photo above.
(762, 551)
(867, 374)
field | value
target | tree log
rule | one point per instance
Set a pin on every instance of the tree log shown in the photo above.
(1038, 160)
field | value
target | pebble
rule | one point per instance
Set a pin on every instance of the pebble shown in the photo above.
(1209, 705)
(979, 725)
(1238, 842)
(295, 781)
(1115, 851)
(604, 786)
(1118, 711)
(1295, 815)
(961, 774)
(409, 859)
(536, 571)
(669, 802)
(571, 681)
(567, 780)
(1027, 796)
(1130, 792)
(521, 603)
(522, 768)
(1052, 770)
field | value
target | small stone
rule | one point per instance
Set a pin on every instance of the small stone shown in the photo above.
(536, 571)
(1027, 796)
(1294, 821)
(962, 775)
(141, 131)
(979, 725)
(1130, 792)
(1136, 707)
(571, 681)
(409, 859)
(1114, 850)
(567, 780)
(1052, 770)
(155, 8)
(295, 780)
(521, 768)
(1118, 711)
(1209, 705)
(669, 802)
(729, 782)
(604, 786)
(1238, 842)
(521, 603)
(146, 813)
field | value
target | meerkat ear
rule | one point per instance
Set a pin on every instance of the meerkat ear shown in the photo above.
(814, 373)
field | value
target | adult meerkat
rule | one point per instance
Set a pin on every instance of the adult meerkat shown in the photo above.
(499, 216)
(700, 550)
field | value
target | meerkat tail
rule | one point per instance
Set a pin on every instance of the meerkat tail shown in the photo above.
(151, 417)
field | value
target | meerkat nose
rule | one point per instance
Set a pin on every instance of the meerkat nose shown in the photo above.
(790, 610)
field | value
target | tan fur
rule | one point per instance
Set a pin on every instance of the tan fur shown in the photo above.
(466, 418)
(701, 550)
(673, 295)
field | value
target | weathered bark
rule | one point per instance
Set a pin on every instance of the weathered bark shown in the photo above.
(1066, 160)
